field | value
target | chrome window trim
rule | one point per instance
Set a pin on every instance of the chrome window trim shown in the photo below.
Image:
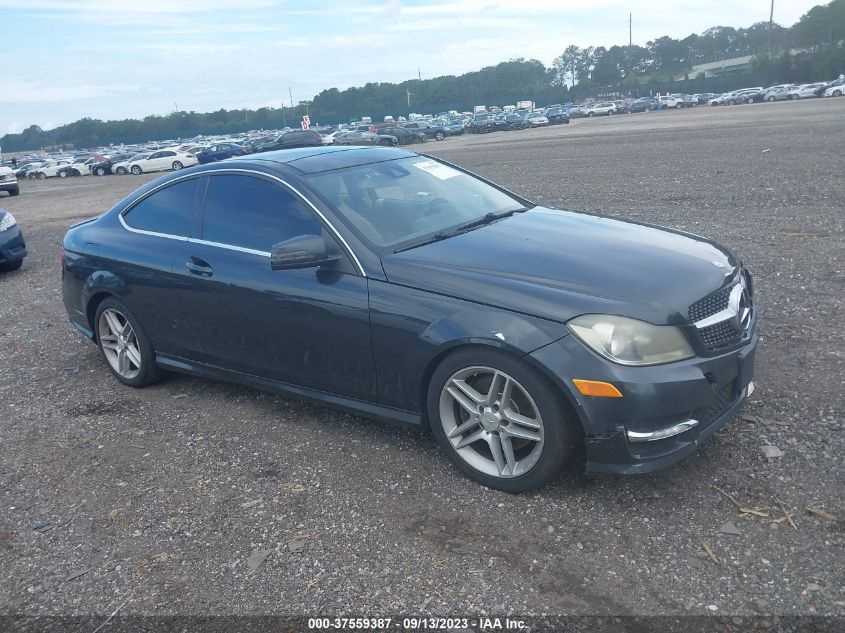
(231, 247)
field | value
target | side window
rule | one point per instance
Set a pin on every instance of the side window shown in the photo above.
(154, 155)
(254, 213)
(163, 154)
(166, 211)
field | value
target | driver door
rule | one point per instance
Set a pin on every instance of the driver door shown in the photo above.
(307, 327)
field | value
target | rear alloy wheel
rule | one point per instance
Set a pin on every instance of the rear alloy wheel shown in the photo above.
(679, 105)
(31, 176)
(124, 345)
(41, 175)
(100, 171)
(591, 114)
(439, 136)
(498, 420)
(771, 99)
(136, 169)
(177, 165)
(62, 174)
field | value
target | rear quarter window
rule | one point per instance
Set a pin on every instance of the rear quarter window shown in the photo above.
(166, 211)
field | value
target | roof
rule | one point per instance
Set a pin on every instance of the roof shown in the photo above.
(311, 160)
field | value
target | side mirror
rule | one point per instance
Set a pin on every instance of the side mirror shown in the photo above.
(303, 251)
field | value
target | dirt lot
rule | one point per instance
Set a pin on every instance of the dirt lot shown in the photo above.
(166, 500)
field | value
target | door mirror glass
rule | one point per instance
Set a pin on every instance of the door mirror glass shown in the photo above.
(303, 251)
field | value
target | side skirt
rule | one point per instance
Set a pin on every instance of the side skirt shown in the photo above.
(405, 419)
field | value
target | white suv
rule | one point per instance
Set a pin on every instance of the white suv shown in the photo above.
(8, 181)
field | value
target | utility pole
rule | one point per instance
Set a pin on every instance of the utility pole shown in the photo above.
(631, 29)
(291, 96)
(771, 24)
(419, 74)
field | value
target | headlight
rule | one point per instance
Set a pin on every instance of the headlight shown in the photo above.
(7, 221)
(630, 341)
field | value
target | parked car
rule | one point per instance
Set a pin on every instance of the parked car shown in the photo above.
(642, 105)
(162, 160)
(746, 95)
(390, 284)
(12, 244)
(577, 111)
(105, 165)
(601, 109)
(778, 93)
(365, 138)
(436, 132)
(122, 168)
(24, 170)
(557, 115)
(405, 137)
(805, 91)
(820, 91)
(671, 101)
(219, 151)
(290, 140)
(511, 121)
(536, 119)
(9, 181)
(621, 107)
(834, 91)
(51, 169)
(79, 167)
(482, 123)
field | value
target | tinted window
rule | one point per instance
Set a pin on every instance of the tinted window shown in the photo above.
(166, 211)
(254, 213)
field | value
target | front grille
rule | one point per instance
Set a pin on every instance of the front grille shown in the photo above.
(719, 335)
(710, 305)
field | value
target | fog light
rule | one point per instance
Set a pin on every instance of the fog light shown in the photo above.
(596, 388)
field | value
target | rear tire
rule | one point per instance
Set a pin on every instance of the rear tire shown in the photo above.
(439, 136)
(142, 370)
(62, 174)
(177, 165)
(41, 175)
(532, 398)
(136, 169)
(99, 171)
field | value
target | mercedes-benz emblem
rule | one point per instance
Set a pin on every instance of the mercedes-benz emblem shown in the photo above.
(739, 302)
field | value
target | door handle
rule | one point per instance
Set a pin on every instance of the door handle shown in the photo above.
(197, 266)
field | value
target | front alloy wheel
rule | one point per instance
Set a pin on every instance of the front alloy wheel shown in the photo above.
(499, 420)
(491, 421)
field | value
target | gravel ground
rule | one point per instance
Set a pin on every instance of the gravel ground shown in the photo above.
(195, 497)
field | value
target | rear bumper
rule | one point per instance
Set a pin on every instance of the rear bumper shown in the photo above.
(651, 426)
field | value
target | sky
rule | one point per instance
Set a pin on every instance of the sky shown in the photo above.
(114, 59)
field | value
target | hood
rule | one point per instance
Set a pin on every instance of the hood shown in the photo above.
(559, 264)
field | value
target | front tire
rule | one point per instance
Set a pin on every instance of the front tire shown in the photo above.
(100, 171)
(439, 136)
(62, 174)
(771, 100)
(498, 420)
(11, 266)
(121, 171)
(837, 93)
(14, 191)
(124, 345)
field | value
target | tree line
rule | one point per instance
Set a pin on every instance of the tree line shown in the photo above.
(812, 49)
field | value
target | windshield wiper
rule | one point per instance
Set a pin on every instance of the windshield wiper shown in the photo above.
(442, 235)
(487, 219)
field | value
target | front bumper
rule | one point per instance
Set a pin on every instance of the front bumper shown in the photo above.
(12, 245)
(8, 185)
(623, 435)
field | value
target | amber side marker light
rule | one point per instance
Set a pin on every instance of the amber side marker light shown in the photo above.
(596, 388)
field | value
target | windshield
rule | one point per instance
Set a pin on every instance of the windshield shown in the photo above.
(396, 203)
